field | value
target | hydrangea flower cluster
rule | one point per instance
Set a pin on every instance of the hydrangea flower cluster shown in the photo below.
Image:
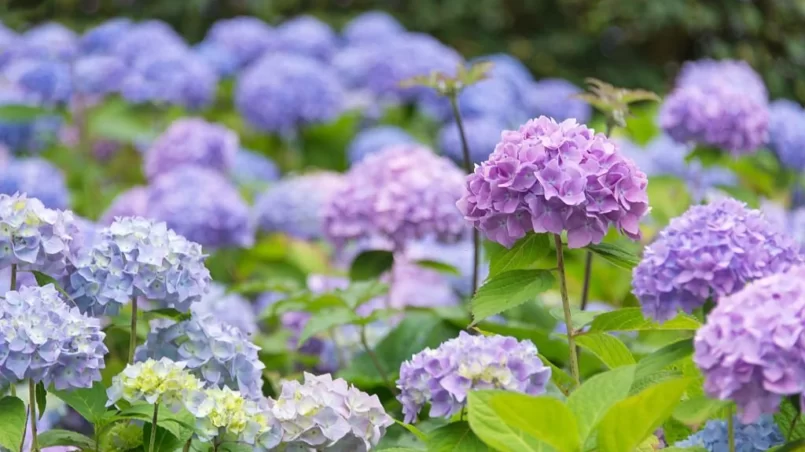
(482, 133)
(323, 413)
(229, 308)
(555, 177)
(48, 41)
(494, 97)
(790, 221)
(46, 341)
(787, 133)
(718, 103)
(399, 194)
(300, 91)
(98, 75)
(444, 376)
(203, 206)
(33, 237)
(37, 178)
(458, 255)
(218, 353)
(142, 38)
(135, 257)
(242, 420)
(45, 82)
(295, 205)
(25, 136)
(758, 436)
(246, 38)
(102, 38)
(371, 27)
(165, 382)
(306, 35)
(253, 170)
(553, 97)
(511, 69)
(192, 141)
(710, 251)
(131, 203)
(369, 141)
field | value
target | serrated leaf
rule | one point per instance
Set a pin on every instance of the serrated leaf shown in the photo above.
(88, 402)
(507, 290)
(697, 410)
(370, 265)
(56, 437)
(664, 357)
(414, 431)
(785, 418)
(324, 320)
(524, 255)
(616, 254)
(440, 267)
(489, 426)
(455, 437)
(12, 422)
(579, 318)
(632, 319)
(560, 378)
(609, 349)
(591, 401)
(41, 399)
(674, 431)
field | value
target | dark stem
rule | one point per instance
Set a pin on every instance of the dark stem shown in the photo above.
(133, 334)
(154, 428)
(731, 429)
(13, 285)
(375, 360)
(186, 447)
(571, 341)
(25, 429)
(791, 427)
(588, 271)
(32, 405)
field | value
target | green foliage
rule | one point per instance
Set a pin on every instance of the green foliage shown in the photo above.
(488, 425)
(631, 319)
(370, 265)
(698, 410)
(56, 437)
(664, 357)
(89, 403)
(41, 399)
(616, 254)
(789, 421)
(440, 267)
(455, 437)
(507, 290)
(608, 348)
(526, 254)
(21, 113)
(559, 377)
(12, 422)
(591, 401)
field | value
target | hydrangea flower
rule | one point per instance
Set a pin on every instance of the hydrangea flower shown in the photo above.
(444, 376)
(192, 141)
(758, 436)
(458, 255)
(555, 177)
(253, 169)
(710, 251)
(224, 414)
(217, 353)
(787, 133)
(45, 82)
(143, 38)
(371, 27)
(45, 340)
(323, 413)
(25, 136)
(306, 35)
(493, 97)
(203, 206)
(553, 98)
(245, 38)
(135, 257)
(48, 41)
(38, 178)
(509, 68)
(369, 141)
(399, 194)
(217, 57)
(103, 38)
(720, 104)
(5, 156)
(295, 205)
(300, 91)
(33, 237)
(792, 221)
(98, 74)
(482, 133)
(229, 308)
(165, 382)
(131, 203)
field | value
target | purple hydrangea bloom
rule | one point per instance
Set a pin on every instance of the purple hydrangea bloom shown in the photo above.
(458, 255)
(98, 74)
(493, 97)
(482, 133)
(131, 203)
(48, 41)
(721, 104)
(553, 97)
(402, 193)
(135, 257)
(42, 81)
(711, 251)
(192, 142)
(443, 377)
(749, 349)
(149, 37)
(787, 133)
(253, 169)
(45, 340)
(215, 352)
(327, 414)
(245, 38)
(38, 178)
(295, 205)
(217, 57)
(8, 40)
(103, 38)
(229, 308)
(790, 221)
(415, 286)
(369, 141)
(203, 206)
(300, 91)
(308, 36)
(371, 27)
(758, 436)
(555, 177)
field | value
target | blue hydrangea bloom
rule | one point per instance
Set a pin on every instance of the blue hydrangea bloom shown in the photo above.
(5, 156)
(131, 203)
(8, 39)
(144, 38)
(509, 68)
(217, 57)
(215, 352)
(229, 308)
(482, 133)
(104, 37)
(787, 133)
(493, 97)
(98, 74)
(192, 142)
(45, 340)
(554, 98)
(371, 27)
(25, 136)
(42, 81)
(252, 169)
(306, 35)
(39, 179)
(374, 139)
(756, 437)
(135, 257)
(244, 38)
(48, 41)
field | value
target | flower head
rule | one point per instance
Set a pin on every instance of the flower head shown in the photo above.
(369, 141)
(131, 203)
(37, 178)
(482, 133)
(217, 57)
(306, 35)
(492, 97)
(98, 74)
(511, 69)
(45, 340)
(164, 382)
(253, 170)
(371, 27)
(787, 133)
(240, 419)
(246, 38)
(757, 436)
(25, 136)
(103, 38)
(48, 41)
(229, 308)
(710, 251)
(145, 37)
(172, 76)
(444, 376)
(192, 142)
(555, 177)
(44, 82)
(553, 97)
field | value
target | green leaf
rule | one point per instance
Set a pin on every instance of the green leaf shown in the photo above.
(43, 280)
(370, 265)
(631, 319)
(21, 114)
(455, 437)
(591, 401)
(785, 417)
(617, 255)
(524, 255)
(324, 320)
(400, 449)
(507, 290)
(414, 431)
(440, 267)
(684, 449)
(632, 420)
(578, 317)
(165, 441)
(12, 422)
(180, 425)
(608, 348)
(560, 378)
(56, 437)
(41, 399)
(88, 402)
(697, 410)
(664, 357)
(706, 155)
(675, 431)
(488, 425)
(167, 313)
(358, 293)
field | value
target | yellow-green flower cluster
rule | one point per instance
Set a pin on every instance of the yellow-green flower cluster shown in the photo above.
(224, 410)
(165, 382)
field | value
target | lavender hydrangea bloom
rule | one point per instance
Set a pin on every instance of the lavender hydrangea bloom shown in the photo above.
(399, 194)
(458, 255)
(45, 340)
(48, 41)
(300, 91)
(758, 436)
(369, 141)
(217, 57)
(555, 177)
(790, 221)
(203, 206)
(253, 169)
(5, 156)
(131, 203)
(554, 98)
(444, 376)
(710, 251)
(144, 37)
(8, 39)
(245, 38)
(492, 97)
(787, 133)
(328, 414)
(482, 133)
(295, 205)
(511, 69)
(98, 74)
(38, 178)
(306, 35)
(371, 27)
(136, 257)
(192, 141)
(42, 81)
(721, 104)
(215, 352)
(103, 38)
(229, 308)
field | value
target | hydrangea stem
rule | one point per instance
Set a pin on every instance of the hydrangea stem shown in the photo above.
(571, 342)
(375, 360)
(32, 405)
(731, 429)
(154, 428)
(133, 333)
(186, 447)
